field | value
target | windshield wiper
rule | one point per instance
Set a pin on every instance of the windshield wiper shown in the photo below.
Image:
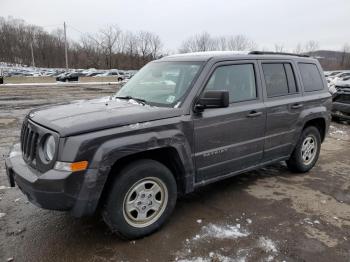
(140, 100)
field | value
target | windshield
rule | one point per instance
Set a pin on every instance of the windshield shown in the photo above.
(161, 83)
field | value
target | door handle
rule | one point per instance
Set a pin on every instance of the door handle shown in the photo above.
(296, 106)
(254, 114)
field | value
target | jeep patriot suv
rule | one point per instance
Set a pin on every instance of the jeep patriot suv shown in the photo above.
(181, 122)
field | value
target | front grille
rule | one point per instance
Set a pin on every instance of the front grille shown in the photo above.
(29, 143)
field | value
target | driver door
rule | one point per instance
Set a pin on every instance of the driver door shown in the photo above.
(231, 139)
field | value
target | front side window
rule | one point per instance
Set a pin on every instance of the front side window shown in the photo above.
(162, 83)
(279, 79)
(311, 77)
(238, 80)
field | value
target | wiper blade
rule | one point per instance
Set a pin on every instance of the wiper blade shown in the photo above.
(140, 100)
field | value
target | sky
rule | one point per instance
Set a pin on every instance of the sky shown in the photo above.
(267, 22)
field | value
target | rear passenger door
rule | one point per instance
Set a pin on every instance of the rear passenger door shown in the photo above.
(283, 101)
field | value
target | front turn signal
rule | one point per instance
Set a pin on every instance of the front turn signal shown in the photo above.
(71, 167)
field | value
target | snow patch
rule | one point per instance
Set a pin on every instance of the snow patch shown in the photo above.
(222, 232)
(2, 215)
(249, 221)
(212, 257)
(267, 245)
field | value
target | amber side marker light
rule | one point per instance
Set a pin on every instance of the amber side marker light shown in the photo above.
(72, 167)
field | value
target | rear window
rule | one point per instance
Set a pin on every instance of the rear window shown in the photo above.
(279, 79)
(311, 77)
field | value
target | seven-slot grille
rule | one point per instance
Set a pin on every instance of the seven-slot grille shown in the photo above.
(29, 142)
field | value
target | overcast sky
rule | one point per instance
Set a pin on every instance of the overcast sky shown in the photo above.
(267, 22)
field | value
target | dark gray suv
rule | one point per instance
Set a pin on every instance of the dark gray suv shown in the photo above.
(181, 122)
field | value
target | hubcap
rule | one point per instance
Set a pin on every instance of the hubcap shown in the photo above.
(145, 202)
(309, 149)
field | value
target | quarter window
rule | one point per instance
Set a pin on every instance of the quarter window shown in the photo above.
(239, 80)
(279, 79)
(311, 77)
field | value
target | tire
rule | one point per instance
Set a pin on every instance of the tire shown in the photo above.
(132, 189)
(299, 164)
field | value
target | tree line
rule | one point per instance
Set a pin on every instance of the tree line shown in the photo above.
(111, 47)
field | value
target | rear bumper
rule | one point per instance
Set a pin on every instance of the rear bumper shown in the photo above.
(55, 190)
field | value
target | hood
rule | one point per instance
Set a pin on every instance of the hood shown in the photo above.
(85, 116)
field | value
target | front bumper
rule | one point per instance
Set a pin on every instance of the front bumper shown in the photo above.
(56, 190)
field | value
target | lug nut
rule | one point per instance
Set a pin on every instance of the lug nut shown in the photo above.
(139, 203)
(143, 195)
(143, 207)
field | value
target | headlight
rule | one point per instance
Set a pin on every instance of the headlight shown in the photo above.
(49, 148)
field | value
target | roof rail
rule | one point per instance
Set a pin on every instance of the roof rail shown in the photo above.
(274, 53)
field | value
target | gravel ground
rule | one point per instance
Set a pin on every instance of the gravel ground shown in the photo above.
(266, 215)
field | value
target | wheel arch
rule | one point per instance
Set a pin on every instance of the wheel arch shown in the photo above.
(320, 124)
(168, 156)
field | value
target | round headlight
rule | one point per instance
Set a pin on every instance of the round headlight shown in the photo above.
(49, 148)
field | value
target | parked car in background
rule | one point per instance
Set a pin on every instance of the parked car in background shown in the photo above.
(338, 77)
(119, 75)
(341, 100)
(94, 73)
(70, 76)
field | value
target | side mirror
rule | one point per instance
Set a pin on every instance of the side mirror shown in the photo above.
(212, 99)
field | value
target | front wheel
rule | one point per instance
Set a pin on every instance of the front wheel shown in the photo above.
(141, 199)
(306, 152)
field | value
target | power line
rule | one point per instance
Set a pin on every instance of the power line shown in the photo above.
(86, 34)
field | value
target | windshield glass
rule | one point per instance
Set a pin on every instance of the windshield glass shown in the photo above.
(161, 83)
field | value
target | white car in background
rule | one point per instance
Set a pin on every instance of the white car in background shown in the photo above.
(119, 75)
(339, 77)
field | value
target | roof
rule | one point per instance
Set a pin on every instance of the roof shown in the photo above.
(204, 56)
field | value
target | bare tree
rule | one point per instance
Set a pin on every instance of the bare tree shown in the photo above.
(298, 49)
(199, 43)
(279, 48)
(110, 37)
(221, 43)
(311, 46)
(240, 43)
(345, 56)
(131, 43)
(144, 44)
(204, 42)
(155, 46)
(92, 51)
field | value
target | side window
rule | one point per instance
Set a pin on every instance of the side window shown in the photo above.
(311, 77)
(279, 79)
(239, 80)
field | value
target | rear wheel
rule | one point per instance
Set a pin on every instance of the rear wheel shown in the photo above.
(306, 152)
(141, 199)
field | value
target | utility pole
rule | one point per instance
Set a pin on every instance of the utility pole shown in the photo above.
(31, 49)
(65, 44)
